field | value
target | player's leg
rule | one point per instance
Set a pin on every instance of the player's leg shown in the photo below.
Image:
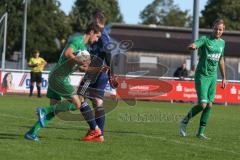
(97, 100)
(33, 133)
(97, 94)
(201, 86)
(207, 111)
(203, 121)
(47, 113)
(32, 82)
(88, 115)
(99, 116)
(39, 82)
(44, 115)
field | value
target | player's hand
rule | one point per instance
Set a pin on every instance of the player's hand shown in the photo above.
(192, 46)
(113, 82)
(104, 68)
(224, 83)
(34, 65)
(83, 68)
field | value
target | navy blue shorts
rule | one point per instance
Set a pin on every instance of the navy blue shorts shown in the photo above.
(97, 88)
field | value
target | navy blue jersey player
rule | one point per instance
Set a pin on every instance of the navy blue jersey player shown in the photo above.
(93, 84)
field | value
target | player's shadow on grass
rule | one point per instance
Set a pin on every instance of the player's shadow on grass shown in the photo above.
(84, 130)
(121, 132)
(133, 132)
(57, 127)
(9, 136)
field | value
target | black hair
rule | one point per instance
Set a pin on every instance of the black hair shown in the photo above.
(98, 16)
(93, 27)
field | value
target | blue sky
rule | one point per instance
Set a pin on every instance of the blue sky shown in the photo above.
(132, 8)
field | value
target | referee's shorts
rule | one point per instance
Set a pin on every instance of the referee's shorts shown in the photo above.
(36, 77)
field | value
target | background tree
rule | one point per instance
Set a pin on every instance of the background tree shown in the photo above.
(83, 9)
(164, 12)
(47, 26)
(15, 17)
(228, 10)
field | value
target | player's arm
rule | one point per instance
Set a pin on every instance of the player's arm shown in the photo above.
(192, 46)
(222, 70)
(83, 68)
(197, 44)
(108, 57)
(44, 63)
(111, 76)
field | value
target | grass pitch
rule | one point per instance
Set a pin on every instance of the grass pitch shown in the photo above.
(147, 131)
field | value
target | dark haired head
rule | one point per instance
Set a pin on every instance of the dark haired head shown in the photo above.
(93, 27)
(98, 17)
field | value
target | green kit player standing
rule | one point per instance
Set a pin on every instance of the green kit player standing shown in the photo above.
(211, 55)
(59, 85)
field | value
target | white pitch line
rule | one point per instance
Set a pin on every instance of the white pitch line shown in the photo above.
(185, 143)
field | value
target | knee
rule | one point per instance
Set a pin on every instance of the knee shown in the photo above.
(78, 106)
(209, 104)
(77, 103)
(204, 105)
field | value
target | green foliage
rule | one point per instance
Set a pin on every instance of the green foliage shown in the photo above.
(228, 10)
(15, 18)
(46, 25)
(82, 10)
(164, 12)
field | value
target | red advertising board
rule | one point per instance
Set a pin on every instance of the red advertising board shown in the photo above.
(156, 89)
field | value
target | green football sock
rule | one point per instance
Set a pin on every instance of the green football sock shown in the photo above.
(49, 109)
(193, 112)
(204, 119)
(64, 106)
(36, 128)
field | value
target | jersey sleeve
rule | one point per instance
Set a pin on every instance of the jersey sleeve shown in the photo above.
(43, 60)
(105, 39)
(30, 62)
(200, 42)
(73, 45)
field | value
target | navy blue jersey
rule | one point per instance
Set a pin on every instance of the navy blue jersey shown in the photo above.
(97, 82)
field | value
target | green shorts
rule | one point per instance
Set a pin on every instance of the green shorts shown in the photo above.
(60, 87)
(206, 88)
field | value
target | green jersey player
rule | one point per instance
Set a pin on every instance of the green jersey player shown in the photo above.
(59, 85)
(211, 55)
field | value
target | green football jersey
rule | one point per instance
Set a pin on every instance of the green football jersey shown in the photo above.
(210, 51)
(64, 66)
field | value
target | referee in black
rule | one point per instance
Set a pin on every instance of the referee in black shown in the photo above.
(37, 65)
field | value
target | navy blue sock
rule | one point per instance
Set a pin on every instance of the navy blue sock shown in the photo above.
(39, 91)
(100, 117)
(88, 115)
